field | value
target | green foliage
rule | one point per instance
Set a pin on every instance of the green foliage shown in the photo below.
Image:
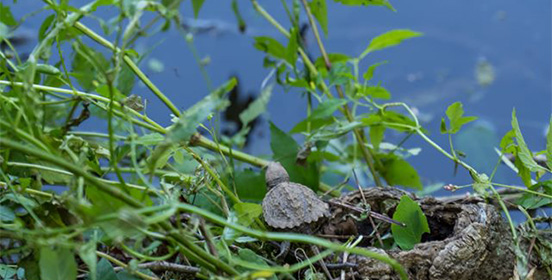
(105, 270)
(549, 145)
(6, 16)
(270, 46)
(389, 39)
(182, 130)
(320, 116)
(398, 172)
(320, 12)
(524, 154)
(196, 5)
(409, 212)
(88, 66)
(455, 114)
(285, 149)
(373, 92)
(367, 3)
(532, 201)
(57, 264)
(370, 72)
(136, 191)
(250, 185)
(482, 185)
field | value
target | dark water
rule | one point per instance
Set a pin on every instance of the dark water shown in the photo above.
(430, 72)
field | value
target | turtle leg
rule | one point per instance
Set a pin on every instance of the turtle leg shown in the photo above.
(284, 249)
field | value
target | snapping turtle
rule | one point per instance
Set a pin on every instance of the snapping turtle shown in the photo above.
(290, 206)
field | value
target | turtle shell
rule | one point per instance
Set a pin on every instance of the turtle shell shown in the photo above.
(292, 205)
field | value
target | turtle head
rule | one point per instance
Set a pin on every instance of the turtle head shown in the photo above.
(275, 174)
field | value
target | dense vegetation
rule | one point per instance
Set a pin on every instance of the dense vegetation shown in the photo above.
(144, 201)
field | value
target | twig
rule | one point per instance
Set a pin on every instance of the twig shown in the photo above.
(362, 211)
(123, 265)
(164, 266)
(208, 237)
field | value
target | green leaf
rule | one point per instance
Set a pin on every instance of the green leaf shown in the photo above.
(87, 66)
(549, 145)
(455, 114)
(6, 16)
(19, 199)
(389, 39)
(45, 26)
(369, 74)
(388, 119)
(409, 212)
(247, 212)
(340, 74)
(257, 107)
(126, 275)
(103, 203)
(334, 58)
(507, 142)
(4, 31)
(281, 144)
(7, 272)
(291, 50)
(105, 270)
(87, 253)
(196, 5)
(523, 172)
(320, 115)
(443, 127)
(57, 264)
(524, 154)
(398, 171)
(372, 91)
(6, 214)
(320, 12)
(250, 185)
(104, 91)
(271, 47)
(183, 130)
(285, 151)
(241, 23)
(367, 3)
(251, 257)
(376, 135)
(31, 267)
(533, 201)
(481, 184)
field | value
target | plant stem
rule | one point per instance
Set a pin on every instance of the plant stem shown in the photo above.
(94, 36)
(124, 265)
(149, 124)
(63, 172)
(204, 258)
(294, 237)
(418, 131)
(52, 34)
(358, 133)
